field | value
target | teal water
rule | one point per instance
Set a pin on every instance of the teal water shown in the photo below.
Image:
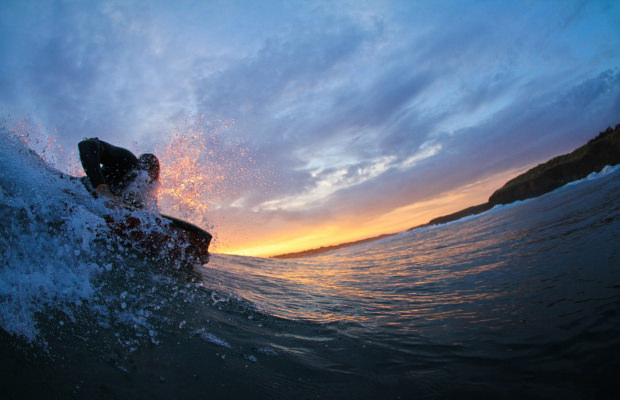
(520, 302)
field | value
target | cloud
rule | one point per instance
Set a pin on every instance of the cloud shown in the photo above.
(513, 138)
(348, 109)
(290, 70)
(94, 69)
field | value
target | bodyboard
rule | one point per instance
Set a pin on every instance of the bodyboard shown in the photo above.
(159, 234)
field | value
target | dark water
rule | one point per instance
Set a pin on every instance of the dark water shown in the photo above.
(520, 302)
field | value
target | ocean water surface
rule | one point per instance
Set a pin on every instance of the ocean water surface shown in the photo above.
(522, 301)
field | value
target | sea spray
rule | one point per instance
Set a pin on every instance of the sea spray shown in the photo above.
(46, 239)
(61, 263)
(205, 168)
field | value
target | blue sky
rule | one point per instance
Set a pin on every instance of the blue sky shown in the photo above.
(351, 110)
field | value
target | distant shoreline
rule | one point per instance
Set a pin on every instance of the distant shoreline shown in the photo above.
(325, 249)
(592, 157)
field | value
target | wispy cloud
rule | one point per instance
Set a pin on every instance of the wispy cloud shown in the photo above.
(351, 109)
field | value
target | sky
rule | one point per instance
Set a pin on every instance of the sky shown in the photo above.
(288, 125)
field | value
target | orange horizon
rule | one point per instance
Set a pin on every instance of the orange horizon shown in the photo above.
(291, 239)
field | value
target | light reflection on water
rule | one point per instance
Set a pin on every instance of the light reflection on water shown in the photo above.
(532, 266)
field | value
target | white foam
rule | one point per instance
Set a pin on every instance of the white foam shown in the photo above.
(45, 239)
(211, 338)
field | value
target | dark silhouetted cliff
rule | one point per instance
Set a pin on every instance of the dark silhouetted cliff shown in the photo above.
(591, 157)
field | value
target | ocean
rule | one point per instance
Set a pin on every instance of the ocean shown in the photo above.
(522, 301)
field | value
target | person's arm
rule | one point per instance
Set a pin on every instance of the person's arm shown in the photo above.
(117, 161)
(90, 156)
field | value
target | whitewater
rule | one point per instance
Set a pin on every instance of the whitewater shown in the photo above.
(522, 301)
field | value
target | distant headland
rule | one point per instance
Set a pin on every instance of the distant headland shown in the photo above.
(592, 157)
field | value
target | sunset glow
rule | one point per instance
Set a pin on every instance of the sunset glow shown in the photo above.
(281, 241)
(301, 124)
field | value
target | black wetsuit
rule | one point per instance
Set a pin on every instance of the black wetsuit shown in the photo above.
(105, 163)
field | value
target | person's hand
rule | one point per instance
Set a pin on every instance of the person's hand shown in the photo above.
(104, 192)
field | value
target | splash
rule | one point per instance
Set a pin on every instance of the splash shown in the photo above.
(47, 240)
(204, 166)
(44, 144)
(60, 264)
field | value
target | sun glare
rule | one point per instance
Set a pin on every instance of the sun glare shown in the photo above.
(203, 167)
